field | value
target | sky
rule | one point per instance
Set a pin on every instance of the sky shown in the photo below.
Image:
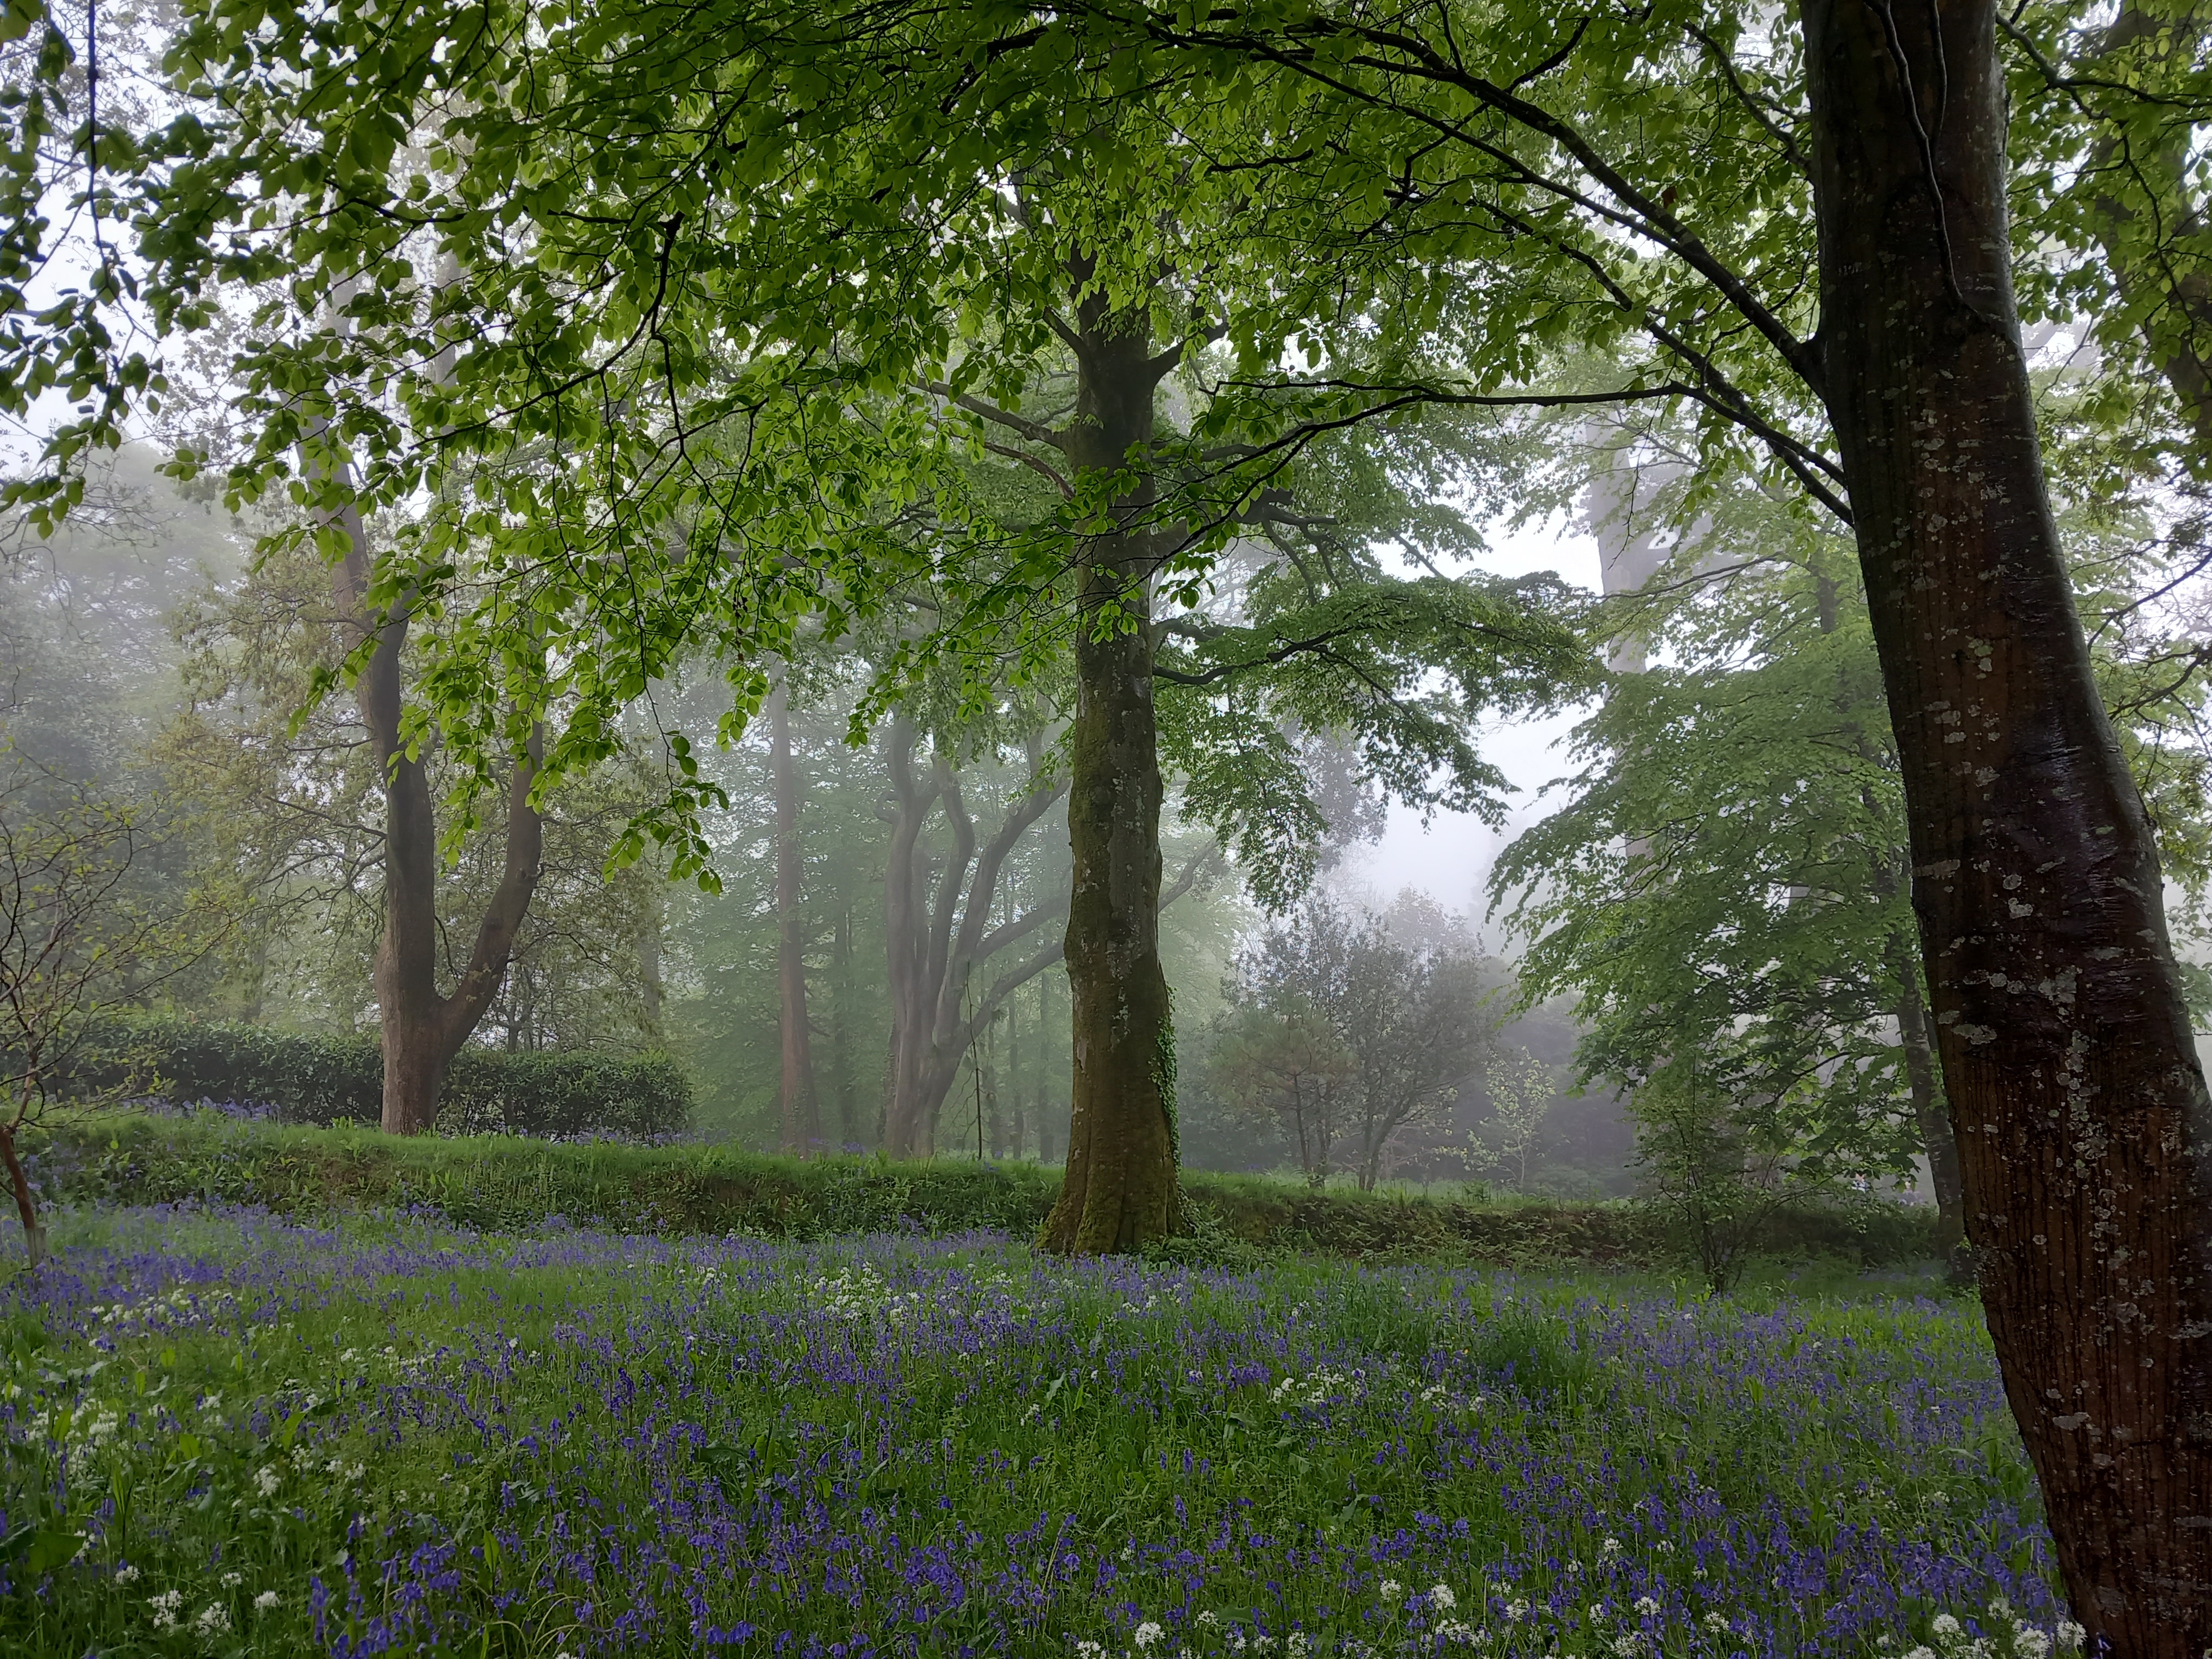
(1449, 858)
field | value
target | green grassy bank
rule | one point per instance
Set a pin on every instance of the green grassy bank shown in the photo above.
(507, 1183)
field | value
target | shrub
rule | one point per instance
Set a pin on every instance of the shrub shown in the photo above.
(508, 1184)
(296, 1079)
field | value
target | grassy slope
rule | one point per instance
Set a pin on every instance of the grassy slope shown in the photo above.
(512, 1184)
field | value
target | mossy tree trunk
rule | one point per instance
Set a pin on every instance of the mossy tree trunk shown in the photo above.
(1120, 1189)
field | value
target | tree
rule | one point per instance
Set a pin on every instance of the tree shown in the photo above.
(78, 938)
(1342, 1034)
(1728, 876)
(938, 934)
(799, 1109)
(2034, 862)
(758, 409)
(1591, 184)
(281, 775)
(1280, 1062)
(1522, 1094)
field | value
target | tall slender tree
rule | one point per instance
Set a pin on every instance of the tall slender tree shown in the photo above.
(798, 1109)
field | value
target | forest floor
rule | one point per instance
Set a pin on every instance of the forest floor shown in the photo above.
(226, 1433)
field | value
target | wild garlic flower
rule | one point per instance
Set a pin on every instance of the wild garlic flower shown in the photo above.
(1441, 1598)
(265, 1601)
(1146, 1634)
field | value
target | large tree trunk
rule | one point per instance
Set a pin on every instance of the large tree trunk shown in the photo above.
(802, 1125)
(2080, 1112)
(1120, 1189)
(423, 1030)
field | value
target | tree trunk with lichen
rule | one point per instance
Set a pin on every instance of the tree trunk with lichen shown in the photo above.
(2083, 1126)
(1120, 1190)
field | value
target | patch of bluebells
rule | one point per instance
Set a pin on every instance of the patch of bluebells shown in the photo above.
(893, 1445)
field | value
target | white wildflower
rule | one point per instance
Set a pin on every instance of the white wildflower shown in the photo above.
(1945, 1624)
(231, 1580)
(1608, 1549)
(1920, 1653)
(1441, 1598)
(212, 1622)
(1209, 1619)
(266, 1480)
(1717, 1622)
(1515, 1611)
(265, 1601)
(2030, 1643)
(1647, 1605)
(1294, 1644)
(126, 1573)
(1089, 1651)
(164, 1607)
(1146, 1634)
(1390, 1589)
(2071, 1635)
(1627, 1645)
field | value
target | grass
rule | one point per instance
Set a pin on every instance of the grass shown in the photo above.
(512, 1183)
(229, 1433)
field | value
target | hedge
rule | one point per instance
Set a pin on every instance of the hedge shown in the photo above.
(503, 1184)
(294, 1078)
